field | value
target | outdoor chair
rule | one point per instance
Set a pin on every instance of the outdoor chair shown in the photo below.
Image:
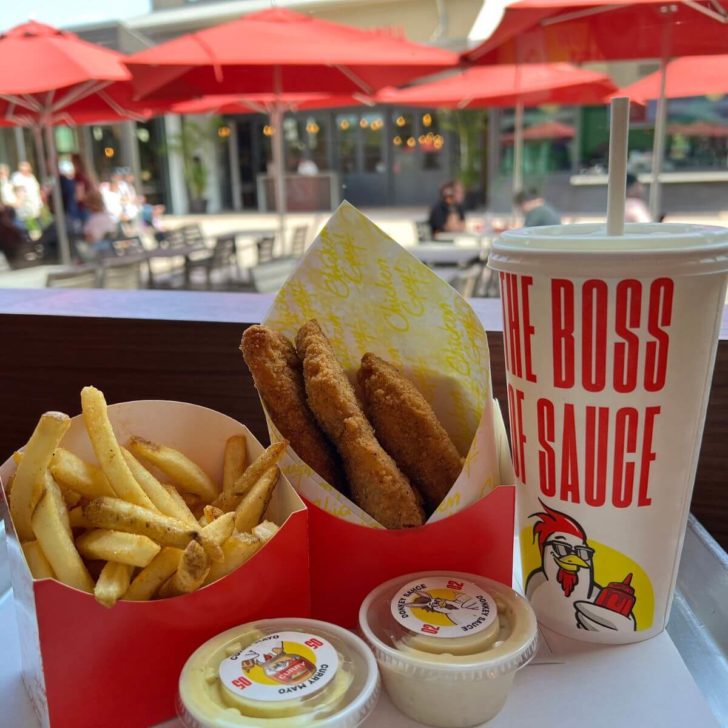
(265, 248)
(171, 239)
(120, 273)
(86, 276)
(128, 246)
(270, 276)
(192, 235)
(221, 258)
(423, 231)
(298, 240)
(465, 281)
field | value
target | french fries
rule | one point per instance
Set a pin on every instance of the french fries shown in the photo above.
(250, 510)
(236, 551)
(28, 482)
(112, 583)
(215, 534)
(118, 515)
(191, 572)
(158, 494)
(180, 504)
(50, 526)
(149, 579)
(126, 548)
(236, 454)
(115, 530)
(70, 472)
(267, 460)
(184, 473)
(108, 452)
(39, 565)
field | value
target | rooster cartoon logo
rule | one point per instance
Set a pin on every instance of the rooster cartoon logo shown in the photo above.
(565, 579)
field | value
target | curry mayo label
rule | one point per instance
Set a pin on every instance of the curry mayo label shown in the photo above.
(607, 384)
(281, 666)
(441, 606)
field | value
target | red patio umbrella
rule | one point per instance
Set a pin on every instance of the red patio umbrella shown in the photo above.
(700, 129)
(508, 85)
(266, 103)
(542, 132)
(280, 52)
(689, 76)
(585, 30)
(43, 71)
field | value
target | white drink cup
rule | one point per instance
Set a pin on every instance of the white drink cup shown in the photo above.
(609, 345)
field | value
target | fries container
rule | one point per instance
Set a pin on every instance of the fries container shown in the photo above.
(370, 295)
(87, 666)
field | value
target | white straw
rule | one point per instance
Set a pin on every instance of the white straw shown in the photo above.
(617, 185)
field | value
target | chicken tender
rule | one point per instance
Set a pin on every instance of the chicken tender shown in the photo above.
(377, 485)
(408, 429)
(278, 376)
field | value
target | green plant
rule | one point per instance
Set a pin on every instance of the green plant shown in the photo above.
(469, 125)
(193, 137)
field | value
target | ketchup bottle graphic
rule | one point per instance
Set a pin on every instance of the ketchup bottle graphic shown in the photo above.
(618, 596)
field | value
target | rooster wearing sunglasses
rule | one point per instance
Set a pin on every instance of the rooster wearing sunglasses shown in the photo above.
(565, 580)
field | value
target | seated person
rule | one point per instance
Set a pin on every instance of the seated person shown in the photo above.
(447, 215)
(100, 227)
(536, 211)
(635, 208)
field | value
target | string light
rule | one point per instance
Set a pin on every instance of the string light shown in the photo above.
(109, 152)
(422, 139)
(400, 121)
(268, 130)
(344, 125)
(397, 141)
(223, 132)
(312, 127)
(363, 123)
(411, 143)
(427, 120)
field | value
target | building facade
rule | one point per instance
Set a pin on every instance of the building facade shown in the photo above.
(383, 156)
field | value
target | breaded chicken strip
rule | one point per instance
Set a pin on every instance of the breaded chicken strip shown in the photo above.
(278, 376)
(377, 485)
(408, 429)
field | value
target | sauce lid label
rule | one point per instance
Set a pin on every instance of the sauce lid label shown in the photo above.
(280, 666)
(441, 606)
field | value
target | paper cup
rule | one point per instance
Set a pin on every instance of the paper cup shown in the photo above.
(609, 347)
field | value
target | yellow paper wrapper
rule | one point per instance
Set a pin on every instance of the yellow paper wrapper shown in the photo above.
(370, 295)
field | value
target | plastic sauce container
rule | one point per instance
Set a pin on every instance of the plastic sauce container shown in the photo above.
(279, 673)
(448, 644)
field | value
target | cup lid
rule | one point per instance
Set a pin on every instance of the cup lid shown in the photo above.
(270, 672)
(443, 623)
(586, 249)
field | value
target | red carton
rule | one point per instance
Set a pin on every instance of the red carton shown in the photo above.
(370, 295)
(86, 666)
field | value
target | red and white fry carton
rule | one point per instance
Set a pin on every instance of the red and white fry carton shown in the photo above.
(370, 295)
(86, 666)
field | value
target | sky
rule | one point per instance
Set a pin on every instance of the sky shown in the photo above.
(68, 12)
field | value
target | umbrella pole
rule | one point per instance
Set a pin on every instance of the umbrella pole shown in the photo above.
(658, 145)
(279, 171)
(518, 150)
(40, 153)
(58, 211)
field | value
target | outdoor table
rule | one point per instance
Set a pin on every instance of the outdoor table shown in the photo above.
(437, 253)
(172, 252)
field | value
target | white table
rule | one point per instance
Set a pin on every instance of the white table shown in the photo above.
(569, 685)
(445, 253)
